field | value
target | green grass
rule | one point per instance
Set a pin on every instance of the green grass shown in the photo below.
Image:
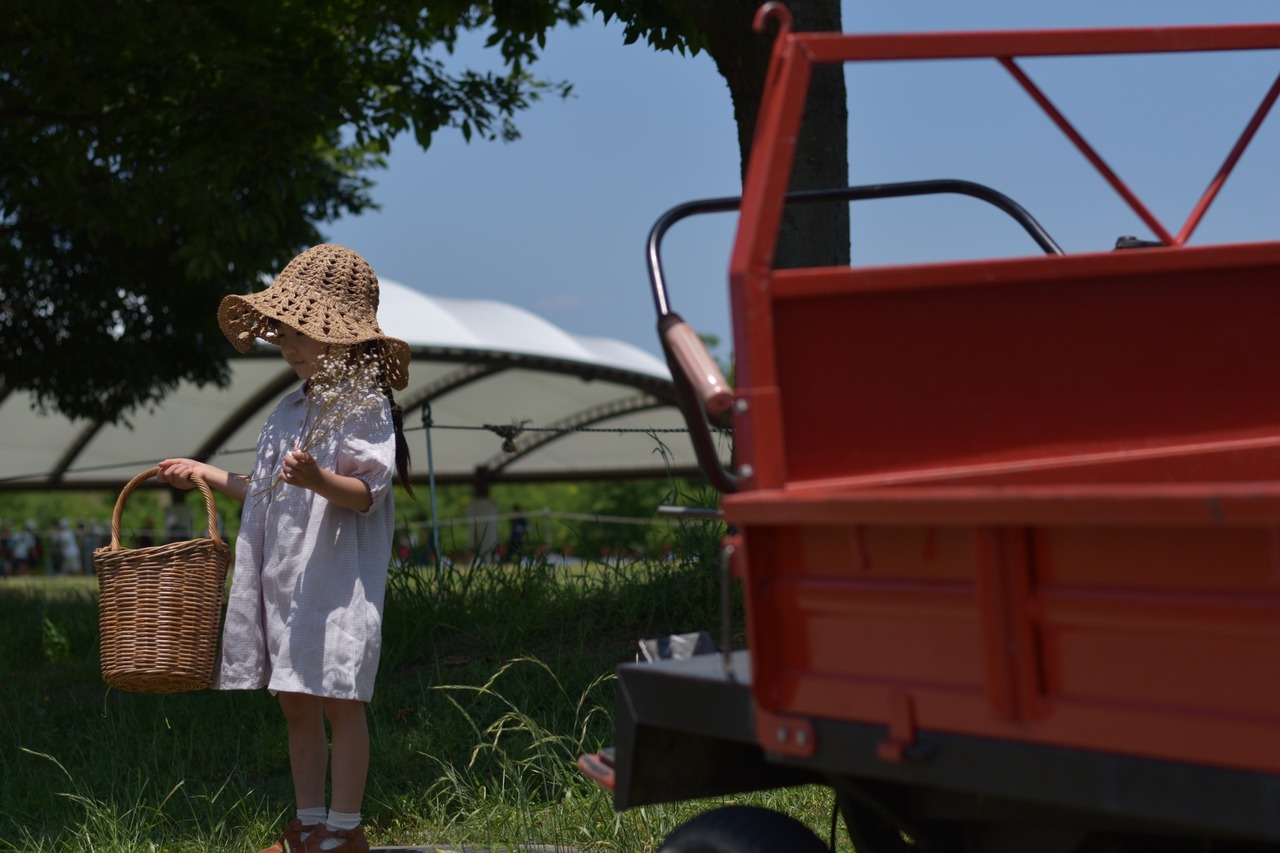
(493, 680)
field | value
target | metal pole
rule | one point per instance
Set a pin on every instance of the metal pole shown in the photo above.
(431, 489)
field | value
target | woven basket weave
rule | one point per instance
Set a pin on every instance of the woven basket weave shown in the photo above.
(159, 608)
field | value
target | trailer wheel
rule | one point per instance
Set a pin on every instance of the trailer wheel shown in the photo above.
(742, 829)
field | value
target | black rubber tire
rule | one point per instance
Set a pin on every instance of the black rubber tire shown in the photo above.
(742, 829)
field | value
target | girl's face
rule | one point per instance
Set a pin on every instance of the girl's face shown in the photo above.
(303, 353)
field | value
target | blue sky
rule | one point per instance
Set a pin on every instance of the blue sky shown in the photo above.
(556, 222)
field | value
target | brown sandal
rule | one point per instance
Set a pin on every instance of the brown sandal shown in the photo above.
(353, 840)
(291, 841)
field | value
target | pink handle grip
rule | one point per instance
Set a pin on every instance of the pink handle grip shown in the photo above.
(699, 368)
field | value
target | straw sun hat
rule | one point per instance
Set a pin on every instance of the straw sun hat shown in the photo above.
(330, 294)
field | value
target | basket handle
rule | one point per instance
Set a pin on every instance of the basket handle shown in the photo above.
(210, 508)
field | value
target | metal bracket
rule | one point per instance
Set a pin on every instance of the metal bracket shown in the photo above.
(785, 735)
(900, 745)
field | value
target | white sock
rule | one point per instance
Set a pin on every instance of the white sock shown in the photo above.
(310, 817)
(339, 820)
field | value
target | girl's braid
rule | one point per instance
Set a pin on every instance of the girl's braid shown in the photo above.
(397, 420)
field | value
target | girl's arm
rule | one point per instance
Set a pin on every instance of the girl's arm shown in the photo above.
(300, 469)
(177, 473)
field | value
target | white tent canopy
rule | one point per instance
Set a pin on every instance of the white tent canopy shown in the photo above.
(485, 374)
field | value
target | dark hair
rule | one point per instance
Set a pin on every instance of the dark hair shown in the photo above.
(402, 446)
(397, 420)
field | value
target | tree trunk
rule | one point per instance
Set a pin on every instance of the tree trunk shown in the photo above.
(814, 234)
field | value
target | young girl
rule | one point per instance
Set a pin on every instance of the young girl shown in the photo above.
(304, 618)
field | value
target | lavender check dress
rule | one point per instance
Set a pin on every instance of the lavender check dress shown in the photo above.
(305, 610)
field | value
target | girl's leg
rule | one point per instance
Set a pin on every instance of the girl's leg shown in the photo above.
(308, 747)
(350, 738)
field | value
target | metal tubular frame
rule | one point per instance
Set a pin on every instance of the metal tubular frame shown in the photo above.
(695, 417)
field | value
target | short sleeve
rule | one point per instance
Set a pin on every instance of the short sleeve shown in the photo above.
(367, 451)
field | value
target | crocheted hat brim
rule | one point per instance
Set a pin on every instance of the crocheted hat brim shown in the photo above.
(330, 294)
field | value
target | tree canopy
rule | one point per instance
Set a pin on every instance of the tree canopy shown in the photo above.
(156, 156)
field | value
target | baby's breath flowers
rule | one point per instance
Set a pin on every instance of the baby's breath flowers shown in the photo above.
(344, 387)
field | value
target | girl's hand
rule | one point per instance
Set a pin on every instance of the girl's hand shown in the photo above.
(300, 469)
(177, 472)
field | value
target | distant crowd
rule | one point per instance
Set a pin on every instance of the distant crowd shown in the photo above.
(63, 549)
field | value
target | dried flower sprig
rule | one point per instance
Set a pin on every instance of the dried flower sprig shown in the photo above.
(345, 386)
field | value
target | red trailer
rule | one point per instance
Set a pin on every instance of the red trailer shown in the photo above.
(1008, 531)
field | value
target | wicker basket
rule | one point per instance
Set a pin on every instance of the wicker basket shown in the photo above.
(160, 607)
